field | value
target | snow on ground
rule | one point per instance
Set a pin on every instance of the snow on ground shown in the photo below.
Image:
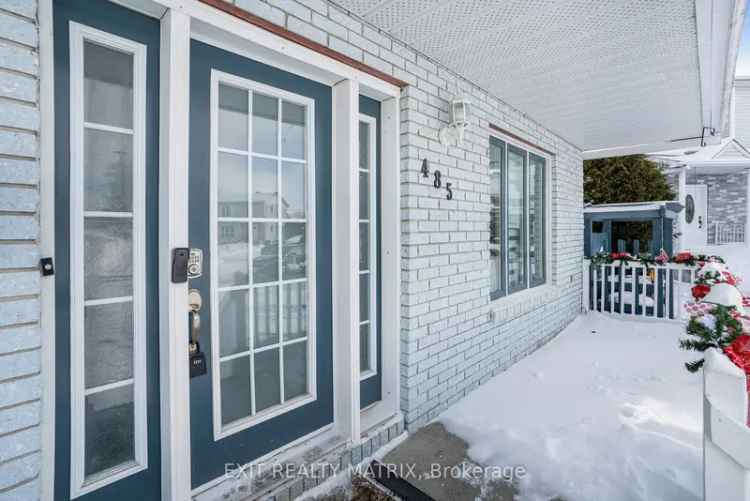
(605, 411)
(737, 257)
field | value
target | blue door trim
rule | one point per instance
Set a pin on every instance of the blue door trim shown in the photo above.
(105, 16)
(209, 457)
(371, 388)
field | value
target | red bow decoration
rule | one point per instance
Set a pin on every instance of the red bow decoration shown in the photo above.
(700, 290)
(683, 256)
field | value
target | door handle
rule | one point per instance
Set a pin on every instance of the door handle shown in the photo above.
(195, 329)
(700, 222)
(195, 302)
(198, 365)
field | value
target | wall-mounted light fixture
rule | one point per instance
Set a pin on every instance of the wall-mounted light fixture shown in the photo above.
(459, 109)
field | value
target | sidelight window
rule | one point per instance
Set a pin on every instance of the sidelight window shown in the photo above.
(108, 270)
(367, 248)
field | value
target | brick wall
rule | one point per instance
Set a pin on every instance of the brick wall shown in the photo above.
(727, 198)
(449, 342)
(20, 385)
(453, 338)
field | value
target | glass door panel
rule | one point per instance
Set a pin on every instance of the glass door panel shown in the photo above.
(108, 314)
(263, 253)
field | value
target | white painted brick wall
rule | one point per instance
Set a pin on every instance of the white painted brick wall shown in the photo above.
(449, 346)
(20, 386)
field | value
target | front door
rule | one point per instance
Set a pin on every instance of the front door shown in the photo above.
(696, 217)
(260, 209)
(107, 440)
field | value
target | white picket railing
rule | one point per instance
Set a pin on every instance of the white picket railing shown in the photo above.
(636, 290)
(726, 233)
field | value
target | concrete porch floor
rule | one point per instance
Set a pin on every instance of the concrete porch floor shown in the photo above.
(416, 459)
(434, 449)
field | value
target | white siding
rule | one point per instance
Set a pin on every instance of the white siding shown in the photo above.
(20, 386)
(742, 111)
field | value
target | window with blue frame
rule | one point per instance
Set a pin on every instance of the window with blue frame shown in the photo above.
(518, 206)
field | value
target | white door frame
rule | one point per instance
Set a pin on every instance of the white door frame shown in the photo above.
(182, 20)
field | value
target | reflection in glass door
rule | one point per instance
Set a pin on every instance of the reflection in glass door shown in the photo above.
(262, 235)
(107, 156)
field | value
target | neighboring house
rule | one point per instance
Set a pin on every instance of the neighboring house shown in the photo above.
(636, 228)
(358, 274)
(713, 182)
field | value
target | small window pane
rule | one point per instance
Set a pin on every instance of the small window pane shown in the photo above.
(232, 185)
(265, 252)
(364, 195)
(265, 188)
(295, 370)
(364, 297)
(295, 310)
(265, 124)
(364, 145)
(108, 348)
(364, 246)
(108, 86)
(497, 204)
(232, 117)
(233, 322)
(110, 429)
(108, 257)
(536, 219)
(516, 219)
(266, 315)
(364, 347)
(108, 171)
(295, 252)
(294, 189)
(293, 130)
(233, 254)
(236, 391)
(267, 379)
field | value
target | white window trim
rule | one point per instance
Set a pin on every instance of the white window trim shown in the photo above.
(79, 484)
(511, 298)
(373, 241)
(222, 431)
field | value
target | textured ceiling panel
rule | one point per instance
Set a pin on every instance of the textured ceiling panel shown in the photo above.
(601, 73)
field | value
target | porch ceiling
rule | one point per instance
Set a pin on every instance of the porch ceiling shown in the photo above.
(602, 74)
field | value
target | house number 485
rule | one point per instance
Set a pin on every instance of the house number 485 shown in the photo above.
(437, 179)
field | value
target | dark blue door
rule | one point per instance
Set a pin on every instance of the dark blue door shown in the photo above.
(260, 209)
(106, 173)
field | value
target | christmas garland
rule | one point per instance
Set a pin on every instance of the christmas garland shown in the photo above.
(647, 260)
(720, 327)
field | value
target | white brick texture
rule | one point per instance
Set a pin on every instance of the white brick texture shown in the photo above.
(449, 345)
(20, 386)
(453, 337)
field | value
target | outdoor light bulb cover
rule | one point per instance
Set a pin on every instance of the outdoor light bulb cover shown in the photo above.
(460, 112)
